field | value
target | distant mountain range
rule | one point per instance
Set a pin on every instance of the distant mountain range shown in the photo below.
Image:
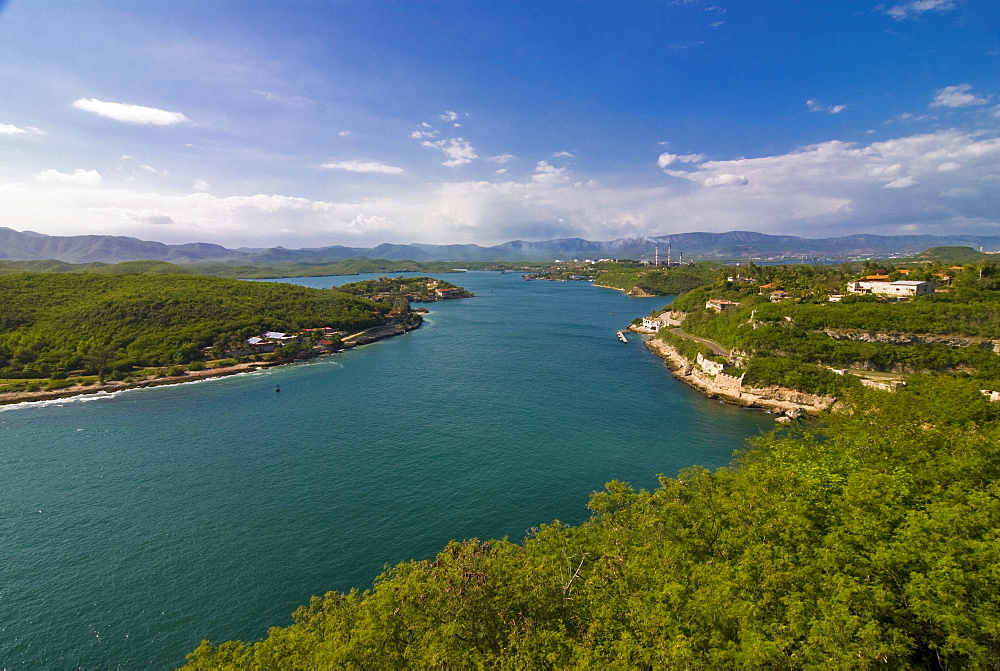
(25, 246)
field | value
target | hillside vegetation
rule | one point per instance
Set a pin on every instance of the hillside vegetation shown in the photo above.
(63, 323)
(868, 540)
(795, 341)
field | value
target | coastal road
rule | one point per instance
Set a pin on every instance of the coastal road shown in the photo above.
(717, 349)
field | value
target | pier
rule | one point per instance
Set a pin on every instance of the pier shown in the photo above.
(621, 336)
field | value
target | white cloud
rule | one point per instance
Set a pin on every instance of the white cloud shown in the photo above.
(8, 129)
(344, 133)
(502, 158)
(815, 106)
(957, 96)
(545, 172)
(458, 151)
(360, 166)
(136, 114)
(726, 179)
(915, 8)
(201, 185)
(449, 116)
(900, 183)
(423, 134)
(822, 190)
(562, 154)
(78, 177)
(667, 158)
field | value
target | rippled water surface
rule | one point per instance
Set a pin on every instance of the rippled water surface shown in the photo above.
(134, 525)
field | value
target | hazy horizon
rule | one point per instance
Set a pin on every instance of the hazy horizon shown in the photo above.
(352, 123)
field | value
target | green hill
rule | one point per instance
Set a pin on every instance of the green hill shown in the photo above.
(59, 323)
(954, 255)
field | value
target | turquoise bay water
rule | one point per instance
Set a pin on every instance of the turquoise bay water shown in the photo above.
(135, 525)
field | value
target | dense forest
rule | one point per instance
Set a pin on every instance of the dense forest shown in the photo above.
(54, 324)
(866, 539)
(652, 280)
(420, 289)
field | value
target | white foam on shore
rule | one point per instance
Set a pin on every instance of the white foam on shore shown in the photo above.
(111, 395)
(79, 398)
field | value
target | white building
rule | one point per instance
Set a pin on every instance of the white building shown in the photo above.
(897, 289)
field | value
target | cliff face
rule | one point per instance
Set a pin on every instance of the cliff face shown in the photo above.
(791, 402)
(912, 338)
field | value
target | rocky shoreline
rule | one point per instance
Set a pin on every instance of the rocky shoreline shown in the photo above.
(363, 338)
(790, 403)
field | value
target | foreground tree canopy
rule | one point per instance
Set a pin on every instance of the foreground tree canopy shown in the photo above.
(867, 539)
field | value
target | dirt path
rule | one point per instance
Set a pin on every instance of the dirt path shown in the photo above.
(717, 349)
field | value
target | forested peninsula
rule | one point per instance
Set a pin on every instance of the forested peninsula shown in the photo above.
(82, 332)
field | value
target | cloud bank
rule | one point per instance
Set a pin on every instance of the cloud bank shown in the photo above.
(942, 182)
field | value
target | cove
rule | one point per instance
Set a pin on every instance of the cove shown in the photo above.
(133, 526)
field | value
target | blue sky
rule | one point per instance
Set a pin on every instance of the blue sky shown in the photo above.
(311, 123)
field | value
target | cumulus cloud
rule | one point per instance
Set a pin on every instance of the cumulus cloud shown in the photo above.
(360, 166)
(816, 106)
(8, 129)
(127, 113)
(957, 96)
(201, 185)
(916, 8)
(545, 172)
(502, 158)
(457, 150)
(449, 116)
(726, 179)
(666, 159)
(79, 177)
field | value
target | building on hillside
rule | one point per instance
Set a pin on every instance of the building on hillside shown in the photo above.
(709, 366)
(900, 289)
(663, 320)
(778, 295)
(720, 304)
